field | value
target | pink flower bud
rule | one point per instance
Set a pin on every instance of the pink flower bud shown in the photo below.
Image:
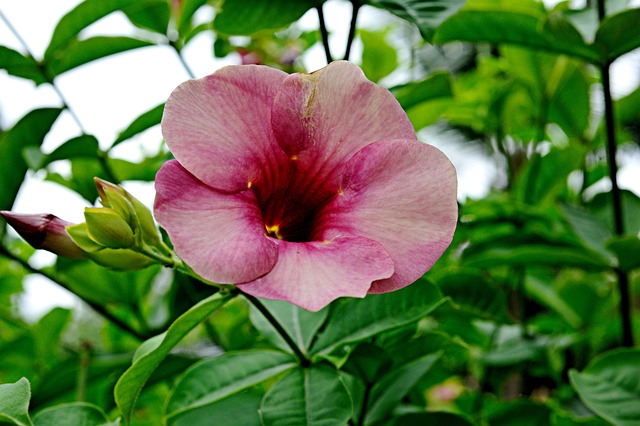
(44, 231)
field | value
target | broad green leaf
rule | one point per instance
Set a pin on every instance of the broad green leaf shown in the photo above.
(144, 170)
(538, 255)
(142, 123)
(215, 379)
(246, 17)
(626, 108)
(305, 397)
(436, 85)
(131, 382)
(427, 15)
(300, 324)
(390, 390)
(152, 16)
(610, 386)
(493, 22)
(185, 11)
(241, 409)
(436, 418)
(14, 403)
(367, 362)
(358, 319)
(588, 227)
(30, 131)
(518, 412)
(80, 17)
(601, 207)
(21, 66)
(85, 146)
(80, 52)
(79, 413)
(543, 292)
(627, 249)
(47, 333)
(379, 58)
(617, 36)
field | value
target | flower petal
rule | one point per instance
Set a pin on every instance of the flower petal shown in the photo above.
(220, 236)
(311, 275)
(219, 126)
(325, 117)
(401, 194)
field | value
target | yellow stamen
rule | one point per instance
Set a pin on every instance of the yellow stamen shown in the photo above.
(249, 184)
(274, 231)
(294, 157)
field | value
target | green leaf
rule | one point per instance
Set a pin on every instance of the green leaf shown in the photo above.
(367, 362)
(436, 418)
(514, 23)
(379, 58)
(80, 52)
(153, 16)
(436, 85)
(538, 255)
(145, 121)
(186, 10)
(616, 35)
(390, 390)
(519, 412)
(427, 15)
(212, 380)
(14, 403)
(80, 17)
(131, 382)
(30, 131)
(247, 17)
(307, 396)
(241, 409)
(542, 291)
(79, 413)
(627, 249)
(300, 324)
(85, 146)
(358, 319)
(21, 66)
(610, 386)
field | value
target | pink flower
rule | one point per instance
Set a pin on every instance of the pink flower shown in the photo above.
(303, 187)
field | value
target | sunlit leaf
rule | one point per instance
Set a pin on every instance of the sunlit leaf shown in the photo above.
(307, 396)
(246, 17)
(436, 85)
(145, 121)
(610, 386)
(131, 382)
(14, 403)
(150, 16)
(379, 58)
(614, 36)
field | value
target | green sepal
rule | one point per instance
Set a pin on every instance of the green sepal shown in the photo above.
(106, 227)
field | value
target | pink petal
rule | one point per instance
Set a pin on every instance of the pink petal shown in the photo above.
(220, 236)
(401, 194)
(325, 117)
(313, 274)
(219, 127)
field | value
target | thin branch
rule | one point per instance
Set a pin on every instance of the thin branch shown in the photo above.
(56, 279)
(352, 28)
(618, 215)
(182, 60)
(325, 34)
(304, 361)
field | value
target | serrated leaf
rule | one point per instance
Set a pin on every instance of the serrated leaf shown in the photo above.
(79, 413)
(358, 319)
(426, 15)
(80, 52)
(21, 66)
(213, 380)
(313, 396)
(145, 121)
(246, 17)
(30, 131)
(131, 382)
(391, 388)
(610, 386)
(14, 402)
(300, 324)
(615, 35)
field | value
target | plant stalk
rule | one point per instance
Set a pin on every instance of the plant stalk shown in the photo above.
(352, 28)
(325, 34)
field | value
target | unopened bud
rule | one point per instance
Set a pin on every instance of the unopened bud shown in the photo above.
(107, 228)
(44, 231)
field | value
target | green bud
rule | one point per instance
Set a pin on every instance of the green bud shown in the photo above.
(106, 227)
(121, 260)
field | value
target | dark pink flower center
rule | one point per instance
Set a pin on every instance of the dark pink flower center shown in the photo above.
(291, 201)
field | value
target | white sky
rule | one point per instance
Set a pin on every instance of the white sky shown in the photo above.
(108, 94)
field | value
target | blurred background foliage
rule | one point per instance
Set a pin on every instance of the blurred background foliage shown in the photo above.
(534, 306)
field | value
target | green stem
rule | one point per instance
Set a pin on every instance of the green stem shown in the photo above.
(83, 371)
(618, 216)
(59, 281)
(186, 66)
(325, 34)
(304, 361)
(352, 28)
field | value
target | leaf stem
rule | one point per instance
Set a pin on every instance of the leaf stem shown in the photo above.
(304, 361)
(352, 28)
(59, 281)
(186, 66)
(325, 34)
(618, 216)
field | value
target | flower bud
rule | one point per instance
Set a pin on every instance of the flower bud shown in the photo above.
(108, 228)
(44, 231)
